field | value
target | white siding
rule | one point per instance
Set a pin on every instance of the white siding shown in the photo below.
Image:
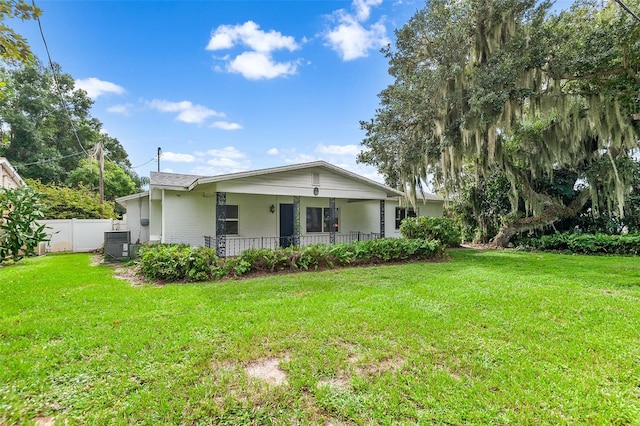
(137, 210)
(7, 180)
(301, 182)
(155, 220)
(187, 217)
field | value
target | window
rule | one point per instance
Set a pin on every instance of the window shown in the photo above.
(318, 220)
(402, 213)
(232, 219)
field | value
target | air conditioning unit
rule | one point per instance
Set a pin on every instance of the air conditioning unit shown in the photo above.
(116, 245)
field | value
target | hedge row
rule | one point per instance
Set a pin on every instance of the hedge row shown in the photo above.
(166, 262)
(585, 243)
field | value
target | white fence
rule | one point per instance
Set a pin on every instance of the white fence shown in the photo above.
(77, 235)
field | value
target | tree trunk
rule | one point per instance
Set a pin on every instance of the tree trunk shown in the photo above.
(550, 215)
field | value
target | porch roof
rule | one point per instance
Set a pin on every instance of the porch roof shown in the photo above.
(189, 182)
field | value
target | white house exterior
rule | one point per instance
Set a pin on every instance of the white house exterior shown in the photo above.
(298, 204)
(9, 178)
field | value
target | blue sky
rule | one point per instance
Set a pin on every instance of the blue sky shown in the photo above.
(227, 86)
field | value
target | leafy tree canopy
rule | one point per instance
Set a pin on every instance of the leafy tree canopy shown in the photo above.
(64, 202)
(14, 47)
(117, 182)
(46, 138)
(504, 88)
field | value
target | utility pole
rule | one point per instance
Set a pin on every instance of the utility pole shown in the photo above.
(101, 162)
(159, 154)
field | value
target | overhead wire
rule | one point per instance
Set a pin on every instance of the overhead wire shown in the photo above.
(625, 7)
(144, 164)
(51, 160)
(57, 85)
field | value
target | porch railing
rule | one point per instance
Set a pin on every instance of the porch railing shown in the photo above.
(235, 246)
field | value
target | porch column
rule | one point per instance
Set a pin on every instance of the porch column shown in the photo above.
(296, 221)
(332, 220)
(382, 219)
(221, 224)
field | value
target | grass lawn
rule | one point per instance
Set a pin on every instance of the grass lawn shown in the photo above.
(488, 338)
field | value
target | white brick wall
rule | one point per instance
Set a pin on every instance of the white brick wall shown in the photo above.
(188, 217)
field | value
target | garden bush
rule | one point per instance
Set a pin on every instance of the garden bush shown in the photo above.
(173, 262)
(585, 243)
(165, 262)
(443, 229)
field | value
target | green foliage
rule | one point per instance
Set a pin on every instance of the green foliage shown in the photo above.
(585, 243)
(20, 234)
(14, 47)
(508, 89)
(443, 229)
(117, 183)
(167, 262)
(39, 138)
(69, 203)
(170, 262)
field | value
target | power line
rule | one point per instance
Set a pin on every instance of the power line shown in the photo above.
(51, 160)
(57, 85)
(144, 164)
(625, 7)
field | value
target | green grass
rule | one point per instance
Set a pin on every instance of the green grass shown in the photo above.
(488, 338)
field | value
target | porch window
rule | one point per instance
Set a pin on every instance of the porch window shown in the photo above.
(232, 219)
(318, 220)
(402, 213)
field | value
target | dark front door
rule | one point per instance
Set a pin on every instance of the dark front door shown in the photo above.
(286, 225)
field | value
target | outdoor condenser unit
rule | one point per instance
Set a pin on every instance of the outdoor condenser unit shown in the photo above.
(116, 245)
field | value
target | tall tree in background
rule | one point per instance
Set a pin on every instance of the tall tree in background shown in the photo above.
(44, 137)
(502, 87)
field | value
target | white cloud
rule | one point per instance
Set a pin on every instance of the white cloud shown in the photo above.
(173, 157)
(96, 87)
(124, 109)
(187, 111)
(257, 62)
(227, 152)
(363, 8)
(249, 34)
(350, 150)
(260, 65)
(300, 158)
(350, 38)
(225, 125)
(273, 151)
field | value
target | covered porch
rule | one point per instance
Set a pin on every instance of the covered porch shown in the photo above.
(292, 221)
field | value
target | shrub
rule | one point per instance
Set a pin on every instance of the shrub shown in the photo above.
(171, 262)
(443, 229)
(20, 233)
(585, 243)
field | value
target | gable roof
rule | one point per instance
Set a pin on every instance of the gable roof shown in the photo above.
(174, 180)
(8, 170)
(189, 182)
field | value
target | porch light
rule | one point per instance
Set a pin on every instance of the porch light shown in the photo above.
(272, 209)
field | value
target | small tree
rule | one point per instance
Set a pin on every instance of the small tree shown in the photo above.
(20, 234)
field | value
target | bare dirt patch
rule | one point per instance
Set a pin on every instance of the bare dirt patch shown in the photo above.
(43, 421)
(387, 364)
(268, 370)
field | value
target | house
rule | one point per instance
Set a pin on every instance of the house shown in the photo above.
(297, 204)
(9, 178)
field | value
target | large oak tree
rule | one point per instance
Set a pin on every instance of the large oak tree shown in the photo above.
(504, 87)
